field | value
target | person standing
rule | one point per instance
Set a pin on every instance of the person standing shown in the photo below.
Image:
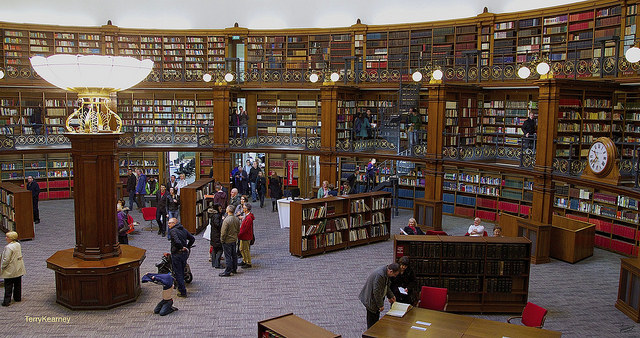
(241, 181)
(161, 211)
(123, 226)
(229, 237)
(372, 123)
(140, 188)
(220, 197)
(529, 130)
(215, 243)
(253, 179)
(414, 124)
(261, 187)
(152, 186)
(405, 286)
(476, 229)
(352, 179)
(36, 119)
(275, 191)
(234, 122)
(234, 198)
(132, 180)
(182, 182)
(12, 268)
(173, 203)
(181, 243)
(371, 174)
(34, 187)
(172, 182)
(243, 119)
(365, 126)
(357, 126)
(246, 235)
(375, 289)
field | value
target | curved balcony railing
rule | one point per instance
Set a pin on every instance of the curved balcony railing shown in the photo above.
(522, 150)
(291, 137)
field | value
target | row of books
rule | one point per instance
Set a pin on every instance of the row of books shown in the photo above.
(321, 240)
(499, 284)
(359, 206)
(381, 203)
(8, 224)
(6, 197)
(462, 266)
(506, 268)
(7, 211)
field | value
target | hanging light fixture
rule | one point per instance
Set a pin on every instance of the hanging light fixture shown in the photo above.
(543, 68)
(335, 77)
(313, 78)
(632, 54)
(437, 75)
(416, 76)
(229, 77)
(524, 72)
(1, 73)
(94, 78)
(207, 77)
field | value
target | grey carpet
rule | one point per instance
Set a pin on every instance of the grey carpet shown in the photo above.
(322, 289)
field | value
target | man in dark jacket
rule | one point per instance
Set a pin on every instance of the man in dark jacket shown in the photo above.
(529, 131)
(275, 191)
(131, 187)
(35, 197)
(161, 211)
(253, 180)
(353, 180)
(181, 242)
(220, 197)
(215, 220)
(375, 289)
(241, 181)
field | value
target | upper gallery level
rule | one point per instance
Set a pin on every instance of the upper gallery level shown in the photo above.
(582, 40)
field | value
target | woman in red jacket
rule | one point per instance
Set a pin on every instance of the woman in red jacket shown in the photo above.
(245, 235)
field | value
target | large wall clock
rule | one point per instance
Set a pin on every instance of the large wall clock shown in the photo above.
(602, 162)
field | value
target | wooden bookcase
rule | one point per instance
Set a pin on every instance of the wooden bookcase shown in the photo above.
(480, 193)
(629, 289)
(615, 216)
(53, 172)
(290, 326)
(192, 215)
(482, 274)
(16, 210)
(332, 223)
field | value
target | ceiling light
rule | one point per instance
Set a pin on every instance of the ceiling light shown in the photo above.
(335, 77)
(313, 78)
(206, 77)
(632, 54)
(417, 76)
(437, 74)
(524, 72)
(543, 68)
(229, 77)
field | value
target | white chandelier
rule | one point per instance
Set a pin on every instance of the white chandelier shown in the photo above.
(94, 78)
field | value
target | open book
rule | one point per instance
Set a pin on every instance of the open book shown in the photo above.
(399, 309)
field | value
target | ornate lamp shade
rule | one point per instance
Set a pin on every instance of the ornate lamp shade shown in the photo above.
(93, 77)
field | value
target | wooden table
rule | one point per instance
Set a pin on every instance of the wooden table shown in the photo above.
(445, 324)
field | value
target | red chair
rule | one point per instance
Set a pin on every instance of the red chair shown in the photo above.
(485, 234)
(532, 315)
(433, 298)
(434, 232)
(149, 214)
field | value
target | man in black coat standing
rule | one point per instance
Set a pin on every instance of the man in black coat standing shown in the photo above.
(181, 243)
(529, 131)
(35, 196)
(353, 180)
(131, 187)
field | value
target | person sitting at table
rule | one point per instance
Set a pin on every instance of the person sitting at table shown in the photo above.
(412, 228)
(497, 231)
(405, 285)
(476, 229)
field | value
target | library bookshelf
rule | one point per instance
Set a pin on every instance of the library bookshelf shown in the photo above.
(16, 210)
(53, 172)
(482, 274)
(192, 204)
(332, 223)
(290, 325)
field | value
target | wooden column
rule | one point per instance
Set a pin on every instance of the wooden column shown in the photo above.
(221, 156)
(95, 164)
(329, 133)
(548, 99)
(98, 273)
(428, 211)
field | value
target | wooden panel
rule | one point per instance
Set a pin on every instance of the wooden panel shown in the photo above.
(290, 325)
(571, 240)
(191, 216)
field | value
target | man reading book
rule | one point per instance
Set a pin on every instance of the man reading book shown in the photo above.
(375, 289)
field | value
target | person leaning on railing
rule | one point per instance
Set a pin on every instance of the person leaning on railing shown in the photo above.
(529, 130)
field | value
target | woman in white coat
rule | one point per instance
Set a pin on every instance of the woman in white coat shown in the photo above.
(12, 269)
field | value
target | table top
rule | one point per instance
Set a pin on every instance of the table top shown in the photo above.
(428, 323)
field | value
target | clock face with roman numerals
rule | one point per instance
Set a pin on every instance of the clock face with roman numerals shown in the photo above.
(598, 157)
